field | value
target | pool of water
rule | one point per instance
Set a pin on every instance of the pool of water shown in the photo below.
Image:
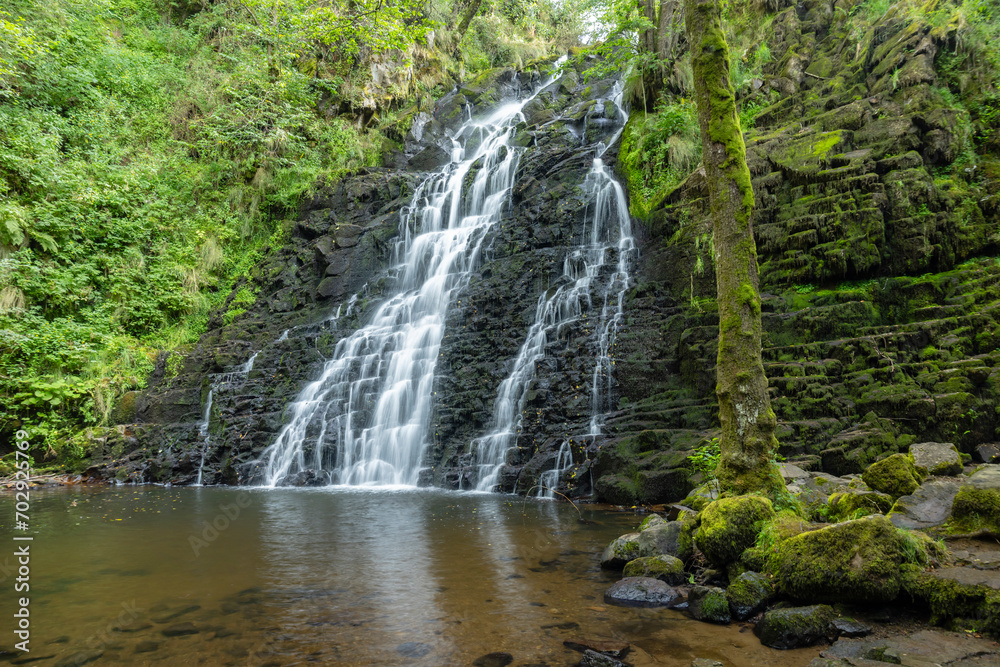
(221, 576)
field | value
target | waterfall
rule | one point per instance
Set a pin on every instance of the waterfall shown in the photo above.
(364, 420)
(608, 231)
(203, 433)
(549, 479)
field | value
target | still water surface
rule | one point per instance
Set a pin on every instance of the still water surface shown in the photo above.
(336, 576)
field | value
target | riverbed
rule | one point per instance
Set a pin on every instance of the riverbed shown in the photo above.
(220, 576)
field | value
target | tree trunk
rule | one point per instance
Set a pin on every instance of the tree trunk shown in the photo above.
(467, 19)
(748, 422)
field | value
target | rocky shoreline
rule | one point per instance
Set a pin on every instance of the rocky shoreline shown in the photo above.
(865, 562)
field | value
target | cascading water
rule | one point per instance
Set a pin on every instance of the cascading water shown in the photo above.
(364, 421)
(549, 479)
(608, 219)
(204, 434)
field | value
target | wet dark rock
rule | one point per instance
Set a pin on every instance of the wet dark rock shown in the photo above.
(147, 646)
(180, 629)
(709, 604)
(924, 647)
(642, 592)
(848, 627)
(171, 615)
(595, 659)
(615, 649)
(136, 625)
(414, 649)
(795, 627)
(706, 662)
(496, 659)
(928, 506)
(666, 538)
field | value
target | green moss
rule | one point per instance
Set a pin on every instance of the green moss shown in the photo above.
(731, 525)
(854, 505)
(663, 567)
(952, 603)
(715, 607)
(855, 561)
(895, 475)
(976, 508)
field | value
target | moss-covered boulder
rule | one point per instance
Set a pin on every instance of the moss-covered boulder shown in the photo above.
(977, 504)
(699, 498)
(851, 505)
(895, 475)
(706, 603)
(652, 521)
(749, 594)
(620, 551)
(663, 567)
(730, 525)
(854, 561)
(795, 627)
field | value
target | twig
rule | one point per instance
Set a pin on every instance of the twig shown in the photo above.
(817, 76)
(539, 486)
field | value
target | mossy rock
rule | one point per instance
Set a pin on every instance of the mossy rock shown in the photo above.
(936, 458)
(855, 561)
(795, 627)
(954, 602)
(663, 567)
(701, 496)
(851, 505)
(651, 521)
(729, 526)
(977, 504)
(709, 604)
(671, 538)
(749, 594)
(895, 475)
(620, 551)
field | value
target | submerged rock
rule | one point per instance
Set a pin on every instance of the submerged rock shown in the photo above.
(642, 592)
(795, 627)
(495, 659)
(615, 649)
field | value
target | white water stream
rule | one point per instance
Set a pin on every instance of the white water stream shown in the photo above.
(364, 420)
(607, 235)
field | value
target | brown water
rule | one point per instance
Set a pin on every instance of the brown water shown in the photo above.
(290, 577)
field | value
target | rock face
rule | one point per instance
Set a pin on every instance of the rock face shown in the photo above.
(928, 506)
(749, 594)
(936, 458)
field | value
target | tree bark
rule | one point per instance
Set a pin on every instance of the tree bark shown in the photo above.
(467, 19)
(748, 422)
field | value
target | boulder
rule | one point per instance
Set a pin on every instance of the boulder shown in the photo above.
(936, 458)
(795, 627)
(670, 538)
(853, 504)
(642, 592)
(895, 475)
(749, 594)
(664, 567)
(977, 503)
(928, 506)
(620, 551)
(853, 561)
(731, 525)
(651, 521)
(709, 604)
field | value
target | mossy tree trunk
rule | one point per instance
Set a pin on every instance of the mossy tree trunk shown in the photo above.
(748, 422)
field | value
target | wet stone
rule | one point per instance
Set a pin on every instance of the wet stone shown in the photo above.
(848, 627)
(928, 506)
(168, 616)
(595, 659)
(642, 592)
(133, 626)
(495, 659)
(615, 649)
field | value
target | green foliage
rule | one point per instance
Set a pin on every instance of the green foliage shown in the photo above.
(659, 150)
(706, 458)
